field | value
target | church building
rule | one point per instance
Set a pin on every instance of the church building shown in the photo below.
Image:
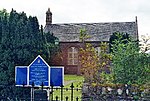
(68, 35)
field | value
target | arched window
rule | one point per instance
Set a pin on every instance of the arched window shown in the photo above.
(72, 56)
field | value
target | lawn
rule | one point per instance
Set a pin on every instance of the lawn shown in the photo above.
(68, 80)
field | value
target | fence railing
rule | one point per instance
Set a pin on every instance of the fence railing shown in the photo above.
(43, 93)
(72, 93)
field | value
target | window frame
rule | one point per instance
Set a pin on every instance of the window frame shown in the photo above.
(72, 56)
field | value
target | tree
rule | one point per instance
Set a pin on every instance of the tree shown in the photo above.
(89, 63)
(93, 63)
(0, 29)
(21, 41)
(50, 46)
(124, 36)
(83, 35)
(129, 66)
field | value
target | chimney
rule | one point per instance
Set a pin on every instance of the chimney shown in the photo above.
(48, 17)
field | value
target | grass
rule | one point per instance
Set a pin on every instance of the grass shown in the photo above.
(68, 80)
(73, 77)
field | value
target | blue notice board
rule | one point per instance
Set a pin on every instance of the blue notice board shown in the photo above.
(57, 75)
(21, 75)
(39, 72)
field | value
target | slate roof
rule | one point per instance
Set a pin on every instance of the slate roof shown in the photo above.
(70, 32)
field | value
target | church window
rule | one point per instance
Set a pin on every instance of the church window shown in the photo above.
(72, 56)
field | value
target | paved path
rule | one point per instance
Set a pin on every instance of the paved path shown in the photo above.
(69, 82)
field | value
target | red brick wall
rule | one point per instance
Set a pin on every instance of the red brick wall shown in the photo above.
(64, 46)
(69, 69)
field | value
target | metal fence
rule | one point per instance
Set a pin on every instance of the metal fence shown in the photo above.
(40, 93)
(87, 93)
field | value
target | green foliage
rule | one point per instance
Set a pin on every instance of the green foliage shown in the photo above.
(83, 35)
(124, 37)
(106, 78)
(89, 61)
(129, 66)
(51, 47)
(21, 41)
(93, 63)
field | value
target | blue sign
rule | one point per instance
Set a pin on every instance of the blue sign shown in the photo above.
(57, 76)
(39, 72)
(21, 75)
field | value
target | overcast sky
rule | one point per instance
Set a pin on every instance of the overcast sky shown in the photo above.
(85, 11)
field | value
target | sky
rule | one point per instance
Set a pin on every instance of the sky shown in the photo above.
(85, 11)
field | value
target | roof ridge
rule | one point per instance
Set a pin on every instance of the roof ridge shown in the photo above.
(95, 22)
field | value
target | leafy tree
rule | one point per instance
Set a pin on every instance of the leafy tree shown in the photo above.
(93, 63)
(21, 41)
(0, 29)
(124, 36)
(129, 66)
(83, 35)
(89, 63)
(51, 47)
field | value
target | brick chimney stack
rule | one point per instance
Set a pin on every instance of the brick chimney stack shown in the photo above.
(48, 17)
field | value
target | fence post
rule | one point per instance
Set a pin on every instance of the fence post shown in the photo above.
(32, 92)
(42, 85)
(48, 91)
(23, 90)
(62, 93)
(67, 98)
(56, 98)
(52, 92)
(72, 91)
(77, 99)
